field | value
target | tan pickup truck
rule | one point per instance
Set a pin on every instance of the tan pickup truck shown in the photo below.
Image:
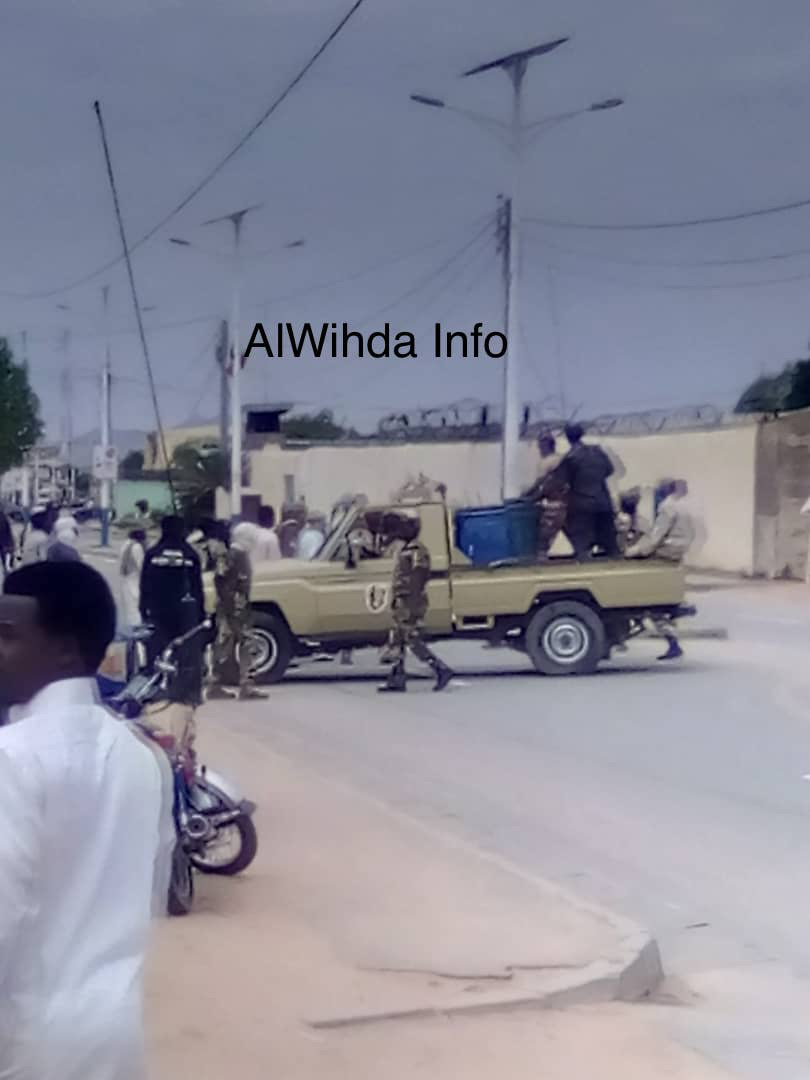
(566, 616)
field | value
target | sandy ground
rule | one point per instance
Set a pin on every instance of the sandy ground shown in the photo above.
(351, 910)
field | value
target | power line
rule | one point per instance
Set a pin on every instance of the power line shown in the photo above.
(308, 290)
(428, 278)
(382, 264)
(209, 176)
(680, 286)
(686, 265)
(743, 215)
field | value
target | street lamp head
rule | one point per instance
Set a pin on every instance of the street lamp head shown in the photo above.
(295, 244)
(423, 99)
(608, 103)
(181, 243)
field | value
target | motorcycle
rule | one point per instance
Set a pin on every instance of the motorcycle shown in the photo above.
(215, 830)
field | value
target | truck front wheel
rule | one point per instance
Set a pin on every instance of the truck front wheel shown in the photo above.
(565, 638)
(271, 645)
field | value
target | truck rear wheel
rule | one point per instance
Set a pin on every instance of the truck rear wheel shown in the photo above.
(271, 644)
(565, 638)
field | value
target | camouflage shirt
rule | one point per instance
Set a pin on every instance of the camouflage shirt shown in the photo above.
(232, 576)
(411, 574)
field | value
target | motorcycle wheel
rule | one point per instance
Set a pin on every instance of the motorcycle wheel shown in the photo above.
(181, 885)
(231, 851)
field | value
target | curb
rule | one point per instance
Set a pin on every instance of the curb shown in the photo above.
(636, 974)
(632, 970)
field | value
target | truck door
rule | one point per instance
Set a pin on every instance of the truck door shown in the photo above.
(357, 600)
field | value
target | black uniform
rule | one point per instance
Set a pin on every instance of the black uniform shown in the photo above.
(591, 520)
(171, 574)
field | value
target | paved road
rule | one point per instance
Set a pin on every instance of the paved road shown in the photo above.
(675, 795)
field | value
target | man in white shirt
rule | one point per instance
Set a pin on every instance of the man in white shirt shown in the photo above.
(311, 537)
(82, 811)
(267, 547)
(36, 537)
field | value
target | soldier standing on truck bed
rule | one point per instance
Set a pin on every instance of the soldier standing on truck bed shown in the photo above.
(409, 604)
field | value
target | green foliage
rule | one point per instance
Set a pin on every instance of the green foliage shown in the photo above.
(196, 475)
(320, 426)
(20, 423)
(783, 392)
(132, 465)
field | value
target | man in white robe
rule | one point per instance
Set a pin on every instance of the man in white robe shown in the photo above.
(81, 843)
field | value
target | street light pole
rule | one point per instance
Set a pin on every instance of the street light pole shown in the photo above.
(236, 219)
(510, 471)
(515, 65)
(236, 379)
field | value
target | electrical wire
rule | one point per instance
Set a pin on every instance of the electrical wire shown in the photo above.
(212, 172)
(743, 215)
(749, 260)
(135, 301)
(382, 264)
(428, 278)
(308, 290)
(680, 286)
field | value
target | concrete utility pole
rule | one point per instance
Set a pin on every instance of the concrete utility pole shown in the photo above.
(509, 289)
(515, 134)
(106, 419)
(224, 389)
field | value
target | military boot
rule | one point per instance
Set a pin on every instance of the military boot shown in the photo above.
(444, 675)
(396, 683)
(674, 651)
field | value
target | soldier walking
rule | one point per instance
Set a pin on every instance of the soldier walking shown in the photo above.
(230, 558)
(409, 604)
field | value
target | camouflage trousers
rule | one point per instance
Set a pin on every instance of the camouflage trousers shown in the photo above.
(407, 635)
(231, 650)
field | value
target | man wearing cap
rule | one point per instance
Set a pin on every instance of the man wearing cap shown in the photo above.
(409, 604)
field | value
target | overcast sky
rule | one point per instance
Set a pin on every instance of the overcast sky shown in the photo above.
(716, 121)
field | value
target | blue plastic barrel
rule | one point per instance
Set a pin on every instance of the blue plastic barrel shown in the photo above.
(488, 534)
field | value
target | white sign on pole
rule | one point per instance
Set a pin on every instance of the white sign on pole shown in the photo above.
(105, 463)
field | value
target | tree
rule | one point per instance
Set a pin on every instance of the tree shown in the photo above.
(316, 426)
(132, 465)
(197, 474)
(783, 392)
(20, 423)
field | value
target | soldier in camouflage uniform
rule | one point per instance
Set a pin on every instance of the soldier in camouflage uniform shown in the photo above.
(409, 604)
(230, 560)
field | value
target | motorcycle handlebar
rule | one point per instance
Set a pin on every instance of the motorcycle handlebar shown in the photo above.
(167, 656)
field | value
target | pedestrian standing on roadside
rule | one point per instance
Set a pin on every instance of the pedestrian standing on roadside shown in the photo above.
(35, 538)
(172, 597)
(6, 544)
(230, 556)
(82, 858)
(62, 545)
(130, 567)
(409, 605)
(267, 547)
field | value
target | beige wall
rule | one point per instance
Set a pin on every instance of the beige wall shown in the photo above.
(719, 466)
